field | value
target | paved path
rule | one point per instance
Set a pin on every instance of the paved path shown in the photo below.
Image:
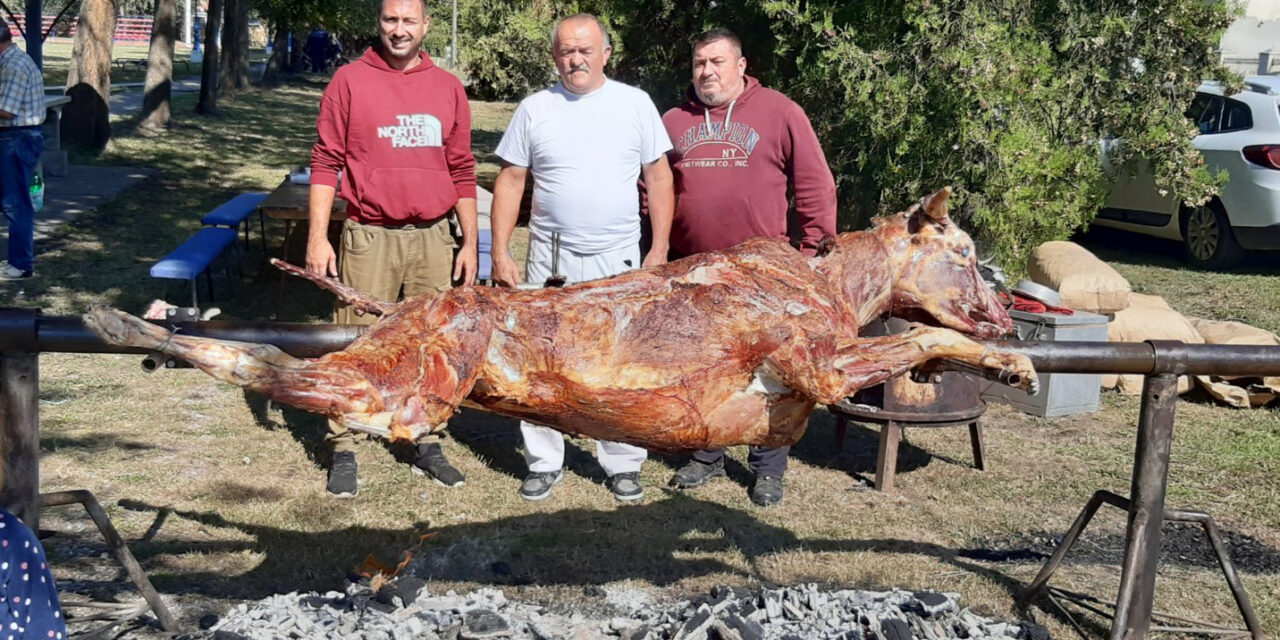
(126, 97)
(81, 190)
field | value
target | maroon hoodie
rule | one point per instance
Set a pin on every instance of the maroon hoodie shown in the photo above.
(735, 167)
(401, 138)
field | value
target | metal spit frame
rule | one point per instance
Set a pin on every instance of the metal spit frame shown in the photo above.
(25, 333)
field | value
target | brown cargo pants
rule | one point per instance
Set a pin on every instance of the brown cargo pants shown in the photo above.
(385, 262)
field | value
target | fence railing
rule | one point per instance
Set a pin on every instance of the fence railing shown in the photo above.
(128, 28)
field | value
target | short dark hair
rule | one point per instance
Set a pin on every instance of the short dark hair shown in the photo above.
(717, 34)
(5, 36)
(377, 10)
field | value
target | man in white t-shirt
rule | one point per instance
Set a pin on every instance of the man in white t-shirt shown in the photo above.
(586, 141)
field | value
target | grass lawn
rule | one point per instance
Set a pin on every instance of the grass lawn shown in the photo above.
(221, 496)
(57, 59)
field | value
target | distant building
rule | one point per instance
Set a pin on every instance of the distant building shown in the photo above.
(1254, 40)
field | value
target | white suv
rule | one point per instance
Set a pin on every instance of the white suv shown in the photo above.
(1239, 133)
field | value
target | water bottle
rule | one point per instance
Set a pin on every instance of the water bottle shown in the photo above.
(37, 191)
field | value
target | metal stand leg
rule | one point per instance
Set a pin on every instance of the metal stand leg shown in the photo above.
(1146, 509)
(20, 409)
(979, 446)
(1150, 480)
(118, 549)
(887, 458)
(1038, 585)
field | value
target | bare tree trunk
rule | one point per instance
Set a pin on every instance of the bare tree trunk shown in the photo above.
(208, 104)
(295, 56)
(86, 120)
(158, 87)
(279, 60)
(235, 51)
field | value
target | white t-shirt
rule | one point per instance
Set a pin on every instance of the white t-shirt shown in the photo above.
(585, 153)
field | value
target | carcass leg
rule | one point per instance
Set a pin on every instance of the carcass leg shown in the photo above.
(330, 390)
(863, 362)
(363, 303)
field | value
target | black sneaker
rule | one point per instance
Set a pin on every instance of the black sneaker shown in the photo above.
(537, 485)
(767, 491)
(343, 482)
(625, 486)
(429, 460)
(696, 474)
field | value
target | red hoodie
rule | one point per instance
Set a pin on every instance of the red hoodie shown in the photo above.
(735, 167)
(401, 138)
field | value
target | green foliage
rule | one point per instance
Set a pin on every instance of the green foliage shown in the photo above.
(1007, 100)
(508, 54)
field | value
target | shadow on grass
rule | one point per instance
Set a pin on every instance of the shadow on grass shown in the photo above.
(856, 454)
(663, 540)
(1114, 245)
(105, 255)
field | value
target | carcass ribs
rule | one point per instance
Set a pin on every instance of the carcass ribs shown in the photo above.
(722, 348)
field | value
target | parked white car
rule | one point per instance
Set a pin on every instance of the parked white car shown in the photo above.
(1239, 133)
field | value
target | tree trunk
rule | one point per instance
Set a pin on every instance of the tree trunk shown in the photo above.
(295, 55)
(235, 50)
(159, 84)
(86, 120)
(208, 104)
(279, 60)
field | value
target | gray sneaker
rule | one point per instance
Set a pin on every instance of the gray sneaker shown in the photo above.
(343, 482)
(625, 486)
(695, 474)
(537, 485)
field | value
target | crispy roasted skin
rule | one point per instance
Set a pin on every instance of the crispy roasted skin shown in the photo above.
(722, 348)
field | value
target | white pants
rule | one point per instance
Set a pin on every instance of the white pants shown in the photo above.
(543, 446)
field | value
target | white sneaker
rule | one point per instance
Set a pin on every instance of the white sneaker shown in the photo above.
(10, 272)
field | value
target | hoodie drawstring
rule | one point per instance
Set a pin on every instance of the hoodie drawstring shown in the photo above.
(728, 115)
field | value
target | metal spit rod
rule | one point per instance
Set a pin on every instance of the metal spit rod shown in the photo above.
(25, 333)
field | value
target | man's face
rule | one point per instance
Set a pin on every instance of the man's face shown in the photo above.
(718, 72)
(401, 27)
(580, 55)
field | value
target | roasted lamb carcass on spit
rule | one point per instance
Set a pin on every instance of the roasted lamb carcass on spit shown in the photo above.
(723, 348)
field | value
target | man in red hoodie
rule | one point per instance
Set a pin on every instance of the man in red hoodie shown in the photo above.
(742, 155)
(394, 140)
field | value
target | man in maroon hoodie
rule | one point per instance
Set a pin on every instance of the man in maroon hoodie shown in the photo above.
(743, 155)
(394, 140)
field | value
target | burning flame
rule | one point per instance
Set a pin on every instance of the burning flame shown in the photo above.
(379, 572)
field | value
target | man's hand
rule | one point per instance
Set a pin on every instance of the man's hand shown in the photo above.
(656, 256)
(321, 260)
(505, 271)
(466, 265)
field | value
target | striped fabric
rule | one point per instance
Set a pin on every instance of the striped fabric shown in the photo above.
(21, 89)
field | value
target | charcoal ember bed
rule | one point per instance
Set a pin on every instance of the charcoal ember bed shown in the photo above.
(406, 609)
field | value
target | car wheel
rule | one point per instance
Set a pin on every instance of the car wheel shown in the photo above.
(1208, 239)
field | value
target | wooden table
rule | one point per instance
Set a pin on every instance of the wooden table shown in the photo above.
(291, 202)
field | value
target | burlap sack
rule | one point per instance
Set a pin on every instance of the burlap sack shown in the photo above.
(1147, 318)
(1084, 282)
(1238, 391)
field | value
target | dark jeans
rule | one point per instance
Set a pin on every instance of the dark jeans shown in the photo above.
(20, 149)
(762, 460)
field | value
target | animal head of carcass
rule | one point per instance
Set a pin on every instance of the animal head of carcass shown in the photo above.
(936, 277)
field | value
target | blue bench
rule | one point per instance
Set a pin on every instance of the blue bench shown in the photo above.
(236, 212)
(194, 256)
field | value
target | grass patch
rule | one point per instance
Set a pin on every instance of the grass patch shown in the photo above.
(221, 495)
(57, 61)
